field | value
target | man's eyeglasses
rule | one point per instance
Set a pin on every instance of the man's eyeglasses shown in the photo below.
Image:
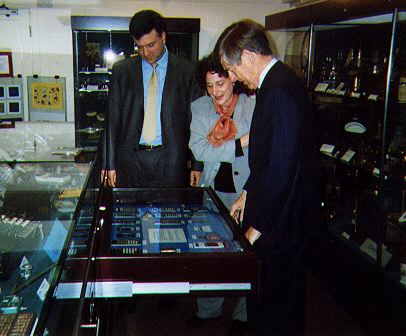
(149, 46)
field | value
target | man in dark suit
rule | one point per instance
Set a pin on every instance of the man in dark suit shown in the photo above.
(132, 159)
(276, 196)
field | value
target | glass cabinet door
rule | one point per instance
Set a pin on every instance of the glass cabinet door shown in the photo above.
(356, 90)
(393, 230)
(38, 203)
(95, 52)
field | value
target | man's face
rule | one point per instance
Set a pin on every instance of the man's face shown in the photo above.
(151, 46)
(246, 72)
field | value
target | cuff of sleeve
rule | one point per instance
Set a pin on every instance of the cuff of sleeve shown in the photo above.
(197, 165)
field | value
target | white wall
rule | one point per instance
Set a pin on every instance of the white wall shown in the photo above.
(41, 40)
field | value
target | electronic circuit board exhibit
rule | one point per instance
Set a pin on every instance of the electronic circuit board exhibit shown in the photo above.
(156, 235)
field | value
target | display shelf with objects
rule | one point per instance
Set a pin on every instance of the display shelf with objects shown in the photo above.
(38, 203)
(351, 57)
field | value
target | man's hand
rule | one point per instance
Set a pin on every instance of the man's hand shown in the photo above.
(109, 179)
(195, 176)
(252, 235)
(237, 209)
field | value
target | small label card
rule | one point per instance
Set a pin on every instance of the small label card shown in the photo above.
(341, 89)
(92, 87)
(327, 149)
(373, 97)
(43, 289)
(376, 171)
(348, 155)
(355, 94)
(321, 87)
(370, 248)
(345, 235)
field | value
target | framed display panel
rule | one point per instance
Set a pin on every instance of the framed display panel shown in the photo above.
(6, 64)
(11, 98)
(46, 98)
(162, 241)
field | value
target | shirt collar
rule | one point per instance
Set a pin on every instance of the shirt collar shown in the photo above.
(162, 62)
(265, 71)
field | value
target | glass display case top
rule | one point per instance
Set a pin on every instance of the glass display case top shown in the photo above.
(187, 221)
(159, 221)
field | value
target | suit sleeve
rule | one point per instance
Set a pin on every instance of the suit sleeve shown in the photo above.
(275, 178)
(112, 120)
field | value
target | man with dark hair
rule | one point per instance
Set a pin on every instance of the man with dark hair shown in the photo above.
(278, 192)
(147, 127)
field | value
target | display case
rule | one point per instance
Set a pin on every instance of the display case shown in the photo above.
(38, 204)
(156, 242)
(352, 58)
(98, 42)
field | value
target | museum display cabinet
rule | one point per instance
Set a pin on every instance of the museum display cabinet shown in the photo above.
(97, 43)
(71, 250)
(153, 241)
(38, 211)
(352, 59)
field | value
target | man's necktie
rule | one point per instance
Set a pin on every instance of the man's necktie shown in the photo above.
(149, 126)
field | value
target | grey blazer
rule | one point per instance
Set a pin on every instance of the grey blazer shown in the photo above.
(204, 117)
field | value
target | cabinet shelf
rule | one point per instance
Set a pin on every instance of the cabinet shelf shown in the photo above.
(93, 90)
(95, 72)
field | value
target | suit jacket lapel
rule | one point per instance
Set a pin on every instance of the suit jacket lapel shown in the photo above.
(169, 78)
(137, 88)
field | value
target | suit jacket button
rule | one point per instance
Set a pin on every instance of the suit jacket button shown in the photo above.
(236, 173)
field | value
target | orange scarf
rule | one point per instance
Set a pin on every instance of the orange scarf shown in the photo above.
(225, 128)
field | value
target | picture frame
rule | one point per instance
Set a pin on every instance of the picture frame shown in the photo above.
(6, 64)
(13, 91)
(46, 98)
(14, 107)
(11, 99)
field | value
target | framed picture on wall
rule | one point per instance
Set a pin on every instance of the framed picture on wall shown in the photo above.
(6, 64)
(11, 98)
(46, 98)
